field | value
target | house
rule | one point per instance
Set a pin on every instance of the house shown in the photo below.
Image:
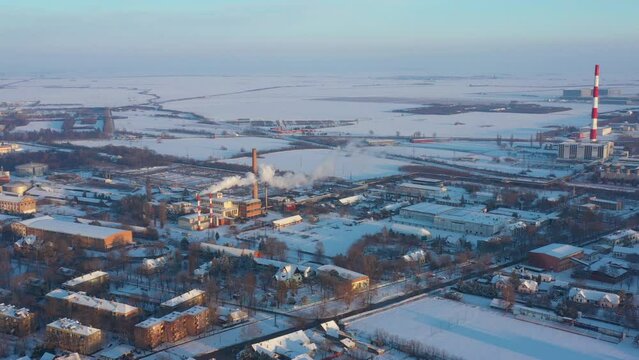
(527, 287)
(294, 346)
(598, 298)
(358, 281)
(500, 281)
(229, 317)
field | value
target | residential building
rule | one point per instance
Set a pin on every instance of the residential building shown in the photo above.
(17, 204)
(555, 256)
(598, 298)
(71, 335)
(296, 345)
(84, 236)
(91, 310)
(170, 328)
(229, 317)
(16, 321)
(91, 282)
(527, 287)
(622, 236)
(184, 301)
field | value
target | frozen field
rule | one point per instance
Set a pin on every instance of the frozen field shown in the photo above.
(298, 97)
(479, 333)
(195, 148)
(355, 165)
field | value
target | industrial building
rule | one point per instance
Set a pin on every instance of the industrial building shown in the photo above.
(625, 172)
(287, 221)
(250, 208)
(170, 328)
(71, 335)
(91, 282)
(467, 220)
(17, 204)
(585, 151)
(184, 301)
(586, 93)
(92, 310)
(555, 257)
(31, 169)
(227, 250)
(16, 188)
(410, 190)
(84, 236)
(16, 321)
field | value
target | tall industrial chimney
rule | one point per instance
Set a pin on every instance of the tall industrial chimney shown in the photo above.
(595, 106)
(199, 211)
(255, 190)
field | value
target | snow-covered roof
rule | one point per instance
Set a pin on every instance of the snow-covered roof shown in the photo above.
(351, 199)
(47, 223)
(422, 187)
(84, 278)
(499, 278)
(73, 326)
(622, 234)
(558, 250)
(415, 255)
(625, 250)
(594, 295)
(83, 299)
(331, 328)
(150, 322)
(287, 220)
(182, 298)
(410, 230)
(226, 250)
(293, 345)
(14, 199)
(14, 312)
(529, 284)
(343, 273)
(429, 208)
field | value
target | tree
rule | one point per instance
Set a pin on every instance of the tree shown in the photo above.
(319, 251)
(162, 213)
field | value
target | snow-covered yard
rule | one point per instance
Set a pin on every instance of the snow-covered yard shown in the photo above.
(479, 333)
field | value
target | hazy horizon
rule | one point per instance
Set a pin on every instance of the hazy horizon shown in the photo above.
(244, 37)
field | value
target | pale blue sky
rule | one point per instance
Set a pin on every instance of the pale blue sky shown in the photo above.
(317, 36)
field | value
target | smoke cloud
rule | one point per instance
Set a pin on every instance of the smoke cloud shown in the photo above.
(232, 181)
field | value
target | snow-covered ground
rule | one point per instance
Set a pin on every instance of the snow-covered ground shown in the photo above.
(347, 164)
(196, 148)
(297, 98)
(473, 332)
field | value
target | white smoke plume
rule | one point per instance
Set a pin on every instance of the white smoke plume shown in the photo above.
(287, 181)
(231, 181)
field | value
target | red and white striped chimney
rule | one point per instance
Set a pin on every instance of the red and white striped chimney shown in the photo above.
(199, 210)
(210, 210)
(595, 106)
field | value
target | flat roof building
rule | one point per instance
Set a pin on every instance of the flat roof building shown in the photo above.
(16, 321)
(585, 151)
(170, 328)
(358, 281)
(555, 256)
(88, 282)
(71, 335)
(31, 169)
(84, 236)
(17, 204)
(184, 301)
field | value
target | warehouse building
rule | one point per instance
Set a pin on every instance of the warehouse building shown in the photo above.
(357, 281)
(287, 221)
(16, 321)
(71, 335)
(17, 204)
(555, 257)
(84, 236)
(468, 220)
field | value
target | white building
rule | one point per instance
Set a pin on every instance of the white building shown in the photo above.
(599, 298)
(621, 236)
(585, 151)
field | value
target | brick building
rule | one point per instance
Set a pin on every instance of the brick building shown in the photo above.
(170, 328)
(15, 321)
(71, 335)
(94, 311)
(250, 208)
(17, 204)
(184, 301)
(555, 256)
(89, 283)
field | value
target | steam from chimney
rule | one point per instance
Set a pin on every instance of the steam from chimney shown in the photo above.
(232, 181)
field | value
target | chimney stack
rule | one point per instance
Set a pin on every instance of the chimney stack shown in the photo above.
(255, 190)
(595, 106)
(199, 211)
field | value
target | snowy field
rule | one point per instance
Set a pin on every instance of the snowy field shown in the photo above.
(347, 164)
(336, 233)
(472, 332)
(304, 97)
(196, 148)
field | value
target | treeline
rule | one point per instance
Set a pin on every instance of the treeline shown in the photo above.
(49, 135)
(87, 157)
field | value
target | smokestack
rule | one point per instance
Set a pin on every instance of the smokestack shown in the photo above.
(210, 210)
(265, 198)
(595, 106)
(199, 210)
(255, 190)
